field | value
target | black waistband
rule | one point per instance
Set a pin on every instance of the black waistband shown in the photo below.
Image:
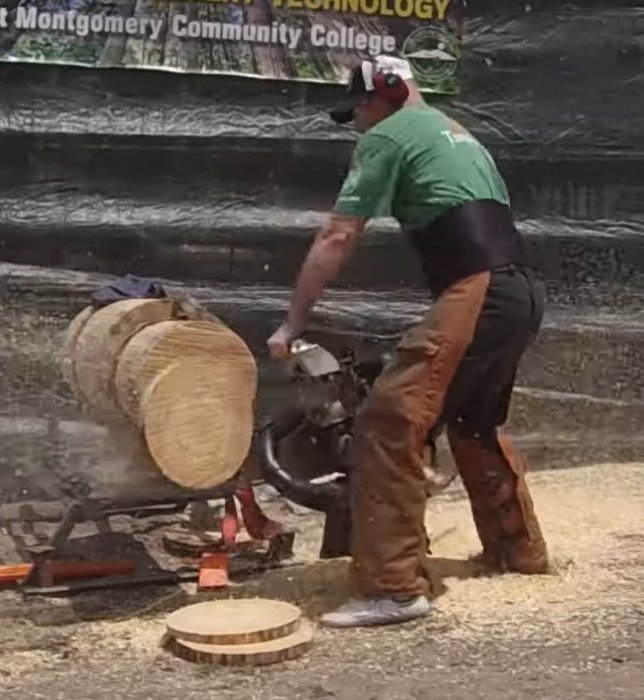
(474, 237)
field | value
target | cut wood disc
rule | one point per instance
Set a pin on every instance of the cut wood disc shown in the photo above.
(259, 654)
(234, 622)
(156, 347)
(99, 344)
(198, 426)
(182, 542)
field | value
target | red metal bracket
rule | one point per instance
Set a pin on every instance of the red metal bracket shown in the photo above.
(230, 524)
(257, 524)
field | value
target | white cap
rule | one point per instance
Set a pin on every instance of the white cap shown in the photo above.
(393, 64)
(361, 83)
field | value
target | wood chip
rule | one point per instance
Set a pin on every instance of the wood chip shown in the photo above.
(184, 388)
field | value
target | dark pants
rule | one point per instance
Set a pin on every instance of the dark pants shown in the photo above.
(455, 369)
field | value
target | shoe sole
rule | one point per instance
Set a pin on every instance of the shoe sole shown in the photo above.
(375, 623)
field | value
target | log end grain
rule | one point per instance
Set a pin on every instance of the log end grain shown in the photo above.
(198, 423)
(74, 329)
(234, 622)
(98, 345)
(157, 346)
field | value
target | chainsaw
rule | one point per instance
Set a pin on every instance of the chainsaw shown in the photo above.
(305, 451)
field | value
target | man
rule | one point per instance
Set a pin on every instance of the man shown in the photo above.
(456, 368)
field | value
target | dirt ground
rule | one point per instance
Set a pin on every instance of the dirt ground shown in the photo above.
(577, 633)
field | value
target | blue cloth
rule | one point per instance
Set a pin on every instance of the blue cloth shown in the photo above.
(128, 287)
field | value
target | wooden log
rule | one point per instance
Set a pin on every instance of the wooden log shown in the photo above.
(197, 419)
(182, 389)
(98, 346)
(260, 654)
(234, 622)
(157, 346)
(69, 343)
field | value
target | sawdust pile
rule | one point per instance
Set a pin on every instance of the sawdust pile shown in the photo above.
(593, 521)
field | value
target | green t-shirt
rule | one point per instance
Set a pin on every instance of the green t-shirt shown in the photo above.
(415, 165)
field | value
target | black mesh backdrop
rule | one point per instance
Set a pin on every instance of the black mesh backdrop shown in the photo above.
(218, 184)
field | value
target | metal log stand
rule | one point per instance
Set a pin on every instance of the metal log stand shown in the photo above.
(331, 391)
(20, 521)
(44, 552)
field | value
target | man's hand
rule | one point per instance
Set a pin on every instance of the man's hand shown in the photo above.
(333, 245)
(279, 344)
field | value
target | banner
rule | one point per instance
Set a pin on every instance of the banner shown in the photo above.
(305, 40)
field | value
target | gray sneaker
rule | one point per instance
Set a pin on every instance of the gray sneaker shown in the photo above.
(368, 612)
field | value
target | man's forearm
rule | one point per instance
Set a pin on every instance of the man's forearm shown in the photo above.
(320, 267)
(331, 249)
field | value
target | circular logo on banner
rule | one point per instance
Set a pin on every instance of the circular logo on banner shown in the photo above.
(433, 55)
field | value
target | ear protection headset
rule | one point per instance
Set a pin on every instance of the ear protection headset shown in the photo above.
(390, 86)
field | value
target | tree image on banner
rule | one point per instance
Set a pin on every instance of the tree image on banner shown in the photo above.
(303, 40)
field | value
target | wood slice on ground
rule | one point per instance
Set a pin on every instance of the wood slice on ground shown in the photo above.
(154, 348)
(234, 622)
(184, 543)
(197, 423)
(69, 343)
(99, 344)
(181, 542)
(259, 654)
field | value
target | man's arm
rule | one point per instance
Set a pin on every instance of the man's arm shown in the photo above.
(366, 192)
(332, 247)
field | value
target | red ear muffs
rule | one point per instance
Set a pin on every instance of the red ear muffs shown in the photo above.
(392, 88)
